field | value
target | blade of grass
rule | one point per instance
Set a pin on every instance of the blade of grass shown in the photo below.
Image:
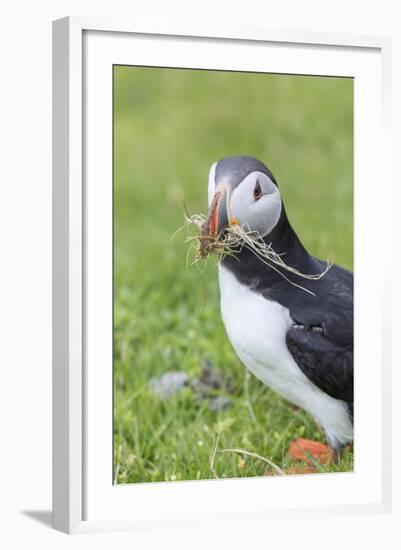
(254, 455)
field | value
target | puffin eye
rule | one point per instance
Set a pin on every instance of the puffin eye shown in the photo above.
(257, 192)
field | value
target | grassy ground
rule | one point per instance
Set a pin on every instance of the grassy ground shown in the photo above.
(169, 126)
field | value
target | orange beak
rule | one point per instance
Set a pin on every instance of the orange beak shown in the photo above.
(219, 218)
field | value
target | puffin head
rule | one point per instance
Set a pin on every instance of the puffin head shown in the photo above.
(242, 190)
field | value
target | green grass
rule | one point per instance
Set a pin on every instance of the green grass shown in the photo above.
(169, 126)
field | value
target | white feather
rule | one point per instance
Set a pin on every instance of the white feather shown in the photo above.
(211, 183)
(257, 329)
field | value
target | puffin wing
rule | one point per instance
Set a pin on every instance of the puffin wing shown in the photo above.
(324, 362)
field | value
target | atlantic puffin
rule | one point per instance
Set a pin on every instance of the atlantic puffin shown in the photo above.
(297, 339)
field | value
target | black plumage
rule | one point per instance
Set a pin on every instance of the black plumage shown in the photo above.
(321, 336)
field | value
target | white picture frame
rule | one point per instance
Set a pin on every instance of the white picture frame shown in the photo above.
(84, 498)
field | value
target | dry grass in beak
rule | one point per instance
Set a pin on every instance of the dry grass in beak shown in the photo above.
(233, 240)
(204, 242)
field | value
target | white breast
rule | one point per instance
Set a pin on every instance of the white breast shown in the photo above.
(257, 329)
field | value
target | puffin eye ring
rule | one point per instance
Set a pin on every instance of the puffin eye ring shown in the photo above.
(257, 192)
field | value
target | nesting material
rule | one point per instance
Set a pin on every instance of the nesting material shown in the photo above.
(233, 240)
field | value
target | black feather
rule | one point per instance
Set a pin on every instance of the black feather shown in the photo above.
(325, 356)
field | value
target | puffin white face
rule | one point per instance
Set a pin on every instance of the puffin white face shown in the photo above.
(253, 202)
(256, 203)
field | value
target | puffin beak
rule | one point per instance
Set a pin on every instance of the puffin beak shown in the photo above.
(219, 213)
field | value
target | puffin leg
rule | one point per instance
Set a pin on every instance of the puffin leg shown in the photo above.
(309, 451)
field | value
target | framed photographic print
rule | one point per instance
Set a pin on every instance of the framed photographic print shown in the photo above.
(218, 208)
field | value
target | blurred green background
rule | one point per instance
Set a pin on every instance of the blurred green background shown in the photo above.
(170, 125)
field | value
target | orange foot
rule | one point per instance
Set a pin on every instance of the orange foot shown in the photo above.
(309, 451)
